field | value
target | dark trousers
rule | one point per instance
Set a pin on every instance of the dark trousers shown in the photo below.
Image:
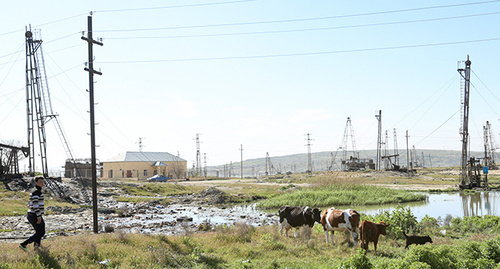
(39, 231)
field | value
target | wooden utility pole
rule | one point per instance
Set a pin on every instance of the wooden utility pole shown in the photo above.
(241, 161)
(407, 155)
(379, 139)
(91, 71)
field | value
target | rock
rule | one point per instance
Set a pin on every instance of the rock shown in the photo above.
(183, 219)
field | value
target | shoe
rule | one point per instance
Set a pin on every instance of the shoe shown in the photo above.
(21, 246)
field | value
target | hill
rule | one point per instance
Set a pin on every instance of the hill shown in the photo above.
(322, 160)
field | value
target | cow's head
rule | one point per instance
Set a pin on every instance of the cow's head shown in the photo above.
(316, 215)
(381, 227)
(427, 239)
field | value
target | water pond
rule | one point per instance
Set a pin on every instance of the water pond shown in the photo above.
(440, 205)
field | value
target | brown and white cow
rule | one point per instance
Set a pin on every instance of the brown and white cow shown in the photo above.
(296, 217)
(341, 220)
(370, 231)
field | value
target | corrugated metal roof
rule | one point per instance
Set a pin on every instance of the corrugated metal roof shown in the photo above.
(139, 156)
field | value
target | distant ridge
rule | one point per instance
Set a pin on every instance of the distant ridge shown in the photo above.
(321, 161)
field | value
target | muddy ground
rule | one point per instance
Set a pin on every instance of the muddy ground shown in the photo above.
(182, 214)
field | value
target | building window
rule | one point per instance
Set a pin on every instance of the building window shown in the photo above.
(110, 173)
(145, 173)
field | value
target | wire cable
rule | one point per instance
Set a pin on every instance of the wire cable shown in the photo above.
(491, 92)
(307, 29)
(301, 20)
(300, 54)
(423, 139)
(166, 7)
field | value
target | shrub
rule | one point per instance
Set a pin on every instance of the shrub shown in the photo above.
(357, 261)
(428, 223)
(491, 249)
(400, 219)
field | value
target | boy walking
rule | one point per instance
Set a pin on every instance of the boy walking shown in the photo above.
(35, 212)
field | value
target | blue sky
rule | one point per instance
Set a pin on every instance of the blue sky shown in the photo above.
(257, 73)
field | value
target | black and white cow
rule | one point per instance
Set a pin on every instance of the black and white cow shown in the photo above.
(296, 217)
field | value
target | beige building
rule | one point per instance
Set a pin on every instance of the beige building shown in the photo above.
(142, 165)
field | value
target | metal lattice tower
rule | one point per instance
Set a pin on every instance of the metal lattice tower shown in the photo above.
(464, 130)
(309, 156)
(34, 104)
(348, 135)
(489, 147)
(38, 104)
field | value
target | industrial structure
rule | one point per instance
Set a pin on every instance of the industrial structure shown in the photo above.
(9, 160)
(470, 172)
(39, 107)
(489, 147)
(350, 157)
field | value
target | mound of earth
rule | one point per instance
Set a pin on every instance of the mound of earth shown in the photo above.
(214, 196)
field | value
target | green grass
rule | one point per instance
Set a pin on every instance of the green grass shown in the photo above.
(342, 195)
(16, 203)
(244, 246)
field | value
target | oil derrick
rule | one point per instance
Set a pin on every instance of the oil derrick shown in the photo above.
(9, 160)
(270, 167)
(469, 176)
(389, 164)
(39, 106)
(350, 159)
(489, 148)
(415, 162)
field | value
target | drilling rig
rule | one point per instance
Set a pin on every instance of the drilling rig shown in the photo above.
(38, 105)
(470, 174)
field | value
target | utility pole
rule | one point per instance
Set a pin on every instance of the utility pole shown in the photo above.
(309, 156)
(198, 155)
(140, 144)
(241, 162)
(91, 71)
(396, 153)
(407, 155)
(205, 164)
(379, 139)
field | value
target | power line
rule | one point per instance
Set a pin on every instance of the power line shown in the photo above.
(166, 7)
(302, 54)
(438, 127)
(298, 20)
(308, 29)
(491, 92)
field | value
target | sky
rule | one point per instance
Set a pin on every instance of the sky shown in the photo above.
(253, 74)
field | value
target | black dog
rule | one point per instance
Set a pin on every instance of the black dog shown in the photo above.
(415, 239)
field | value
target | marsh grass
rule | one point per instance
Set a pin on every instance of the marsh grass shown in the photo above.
(342, 195)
